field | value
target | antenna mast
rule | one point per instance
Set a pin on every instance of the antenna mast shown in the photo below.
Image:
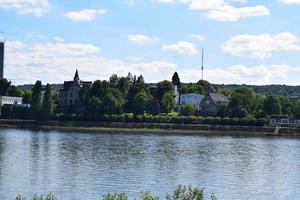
(202, 67)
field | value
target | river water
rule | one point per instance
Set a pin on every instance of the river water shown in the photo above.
(84, 166)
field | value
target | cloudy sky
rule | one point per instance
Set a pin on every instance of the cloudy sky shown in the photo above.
(245, 41)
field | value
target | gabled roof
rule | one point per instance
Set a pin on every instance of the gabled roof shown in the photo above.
(67, 85)
(217, 98)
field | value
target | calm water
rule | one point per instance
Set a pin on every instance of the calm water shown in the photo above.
(85, 166)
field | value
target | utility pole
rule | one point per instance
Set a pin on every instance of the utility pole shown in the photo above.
(202, 67)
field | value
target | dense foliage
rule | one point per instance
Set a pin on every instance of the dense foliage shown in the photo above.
(181, 193)
(131, 96)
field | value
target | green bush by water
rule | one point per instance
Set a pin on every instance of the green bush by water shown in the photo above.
(182, 192)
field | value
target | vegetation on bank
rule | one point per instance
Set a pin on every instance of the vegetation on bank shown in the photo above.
(130, 99)
(168, 118)
(181, 193)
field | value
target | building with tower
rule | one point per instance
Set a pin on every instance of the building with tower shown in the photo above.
(1, 59)
(68, 95)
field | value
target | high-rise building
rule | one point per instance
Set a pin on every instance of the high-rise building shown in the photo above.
(1, 59)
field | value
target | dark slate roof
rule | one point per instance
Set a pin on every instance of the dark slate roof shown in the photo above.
(67, 85)
(217, 98)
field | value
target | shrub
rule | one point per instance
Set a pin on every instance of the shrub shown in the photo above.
(225, 121)
(186, 193)
(116, 196)
(187, 110)
(148, 196)
(235, 121)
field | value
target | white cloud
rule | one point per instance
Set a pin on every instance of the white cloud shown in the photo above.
(261, 46)
(142, 39)
(182, 47)
(56, 62)
(35, 7)
(222, 10)
(290, 1)
(198, 37)
(85, 14)
(241, 74)
(58, 39)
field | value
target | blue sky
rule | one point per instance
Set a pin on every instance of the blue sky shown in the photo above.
(251, 42)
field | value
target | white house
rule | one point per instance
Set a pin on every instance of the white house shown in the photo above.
(6, 100)
(191, 99)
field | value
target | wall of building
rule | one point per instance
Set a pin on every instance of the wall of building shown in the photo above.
(6, 100)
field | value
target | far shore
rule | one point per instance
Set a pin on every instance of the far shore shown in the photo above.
(153, 128)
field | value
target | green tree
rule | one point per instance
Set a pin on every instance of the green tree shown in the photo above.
(136, 87)
(116, 196)
(192, 88)
(36, 103)
(147, 196)
(168, 102)
(123, 85)
(176, 80)
(187, 110)
(242, 102)
(48, 106)
(93, 108)
(186, 193)
(272, 105)
(27, 95)
(296, 110)
(286, 105)
(112, 104)
(113, 81)
(141, 102)
(14, 92)
(205, 85)
(4, 86)
(163, 87)
(99, 88)
(84, 94)
(154, 107)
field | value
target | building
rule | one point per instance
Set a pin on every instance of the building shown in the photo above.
(212, 103)
(1, 60)
(6, 100)
(68, 95)
(191, 99)
(176, 94)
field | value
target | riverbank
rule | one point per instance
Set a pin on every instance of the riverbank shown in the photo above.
(116, 127)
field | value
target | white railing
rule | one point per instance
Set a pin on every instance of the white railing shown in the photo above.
(285, 122)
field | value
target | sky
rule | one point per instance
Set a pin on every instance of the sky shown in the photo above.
(245, 41)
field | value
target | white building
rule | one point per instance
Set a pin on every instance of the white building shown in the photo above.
(6, 100)
(176, 93)
(191, 99)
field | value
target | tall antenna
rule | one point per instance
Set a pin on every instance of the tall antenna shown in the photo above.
(202, 67)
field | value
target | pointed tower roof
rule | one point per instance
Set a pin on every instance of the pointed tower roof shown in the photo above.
(76, 77)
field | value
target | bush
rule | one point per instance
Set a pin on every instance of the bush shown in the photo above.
(36, 197)
(235, 121)
(116, 196)
(147, 196)
(186, 193)
(225, 121)
(187, 110)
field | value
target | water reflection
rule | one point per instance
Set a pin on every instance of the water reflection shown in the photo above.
(85, 166)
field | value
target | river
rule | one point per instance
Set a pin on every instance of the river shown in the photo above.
(84, 166)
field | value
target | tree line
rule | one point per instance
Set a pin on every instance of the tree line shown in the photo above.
(130, 94)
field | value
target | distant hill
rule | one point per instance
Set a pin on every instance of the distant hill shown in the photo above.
(30, 86)
(284, 90)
